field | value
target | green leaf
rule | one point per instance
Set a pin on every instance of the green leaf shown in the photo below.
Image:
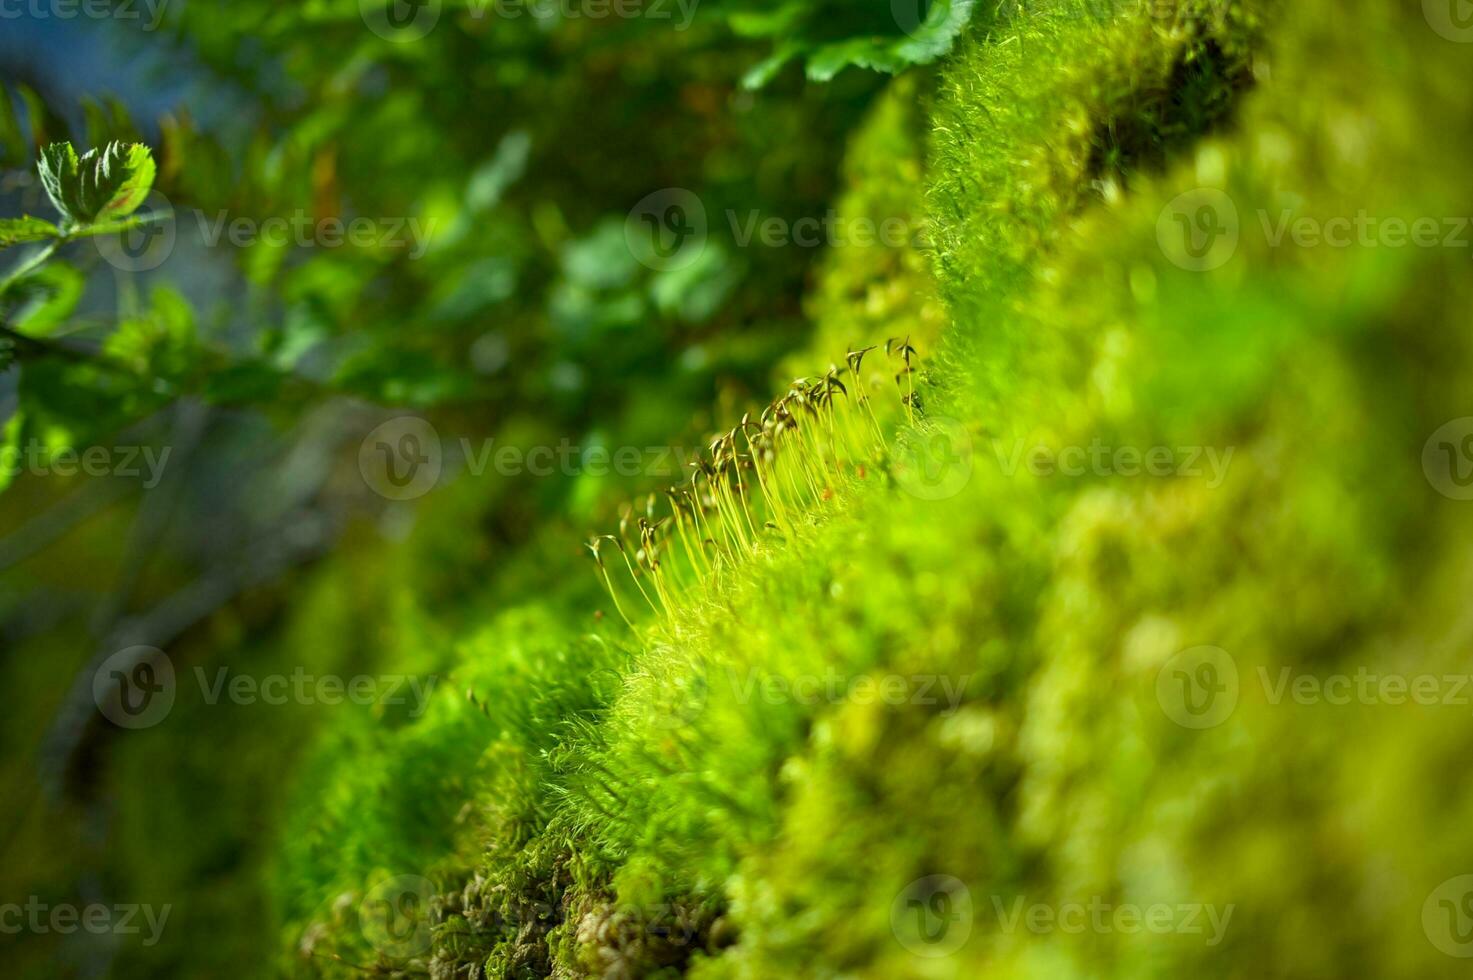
(834, 35)
(103, 185)
(935, 37)
(114, 181)
(18, 231)
(58, 169)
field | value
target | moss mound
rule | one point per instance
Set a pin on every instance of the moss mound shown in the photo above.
(1052, 711)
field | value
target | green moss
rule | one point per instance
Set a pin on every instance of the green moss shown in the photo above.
(668, 804)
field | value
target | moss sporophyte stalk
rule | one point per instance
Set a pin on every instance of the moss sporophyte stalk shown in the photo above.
(756, 485)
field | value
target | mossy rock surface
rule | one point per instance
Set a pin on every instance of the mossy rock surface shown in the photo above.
(1196, 481)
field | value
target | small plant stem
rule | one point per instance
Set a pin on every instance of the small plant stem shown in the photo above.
(609, 584)
(659, 579)
(778, 517)
(725, 520)
(732, 506)
(691, 554)
(29, 265)
(634, 574)
(711, 534)
(741, 493)
(812, 450)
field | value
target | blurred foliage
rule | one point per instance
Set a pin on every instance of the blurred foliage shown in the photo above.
(580, 797)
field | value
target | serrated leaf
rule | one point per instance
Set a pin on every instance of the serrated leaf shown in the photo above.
(877, 55)
(934, 38)
(114, 181)
(18, 231)
(58, 169)
(102, 185)
(832, 37)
